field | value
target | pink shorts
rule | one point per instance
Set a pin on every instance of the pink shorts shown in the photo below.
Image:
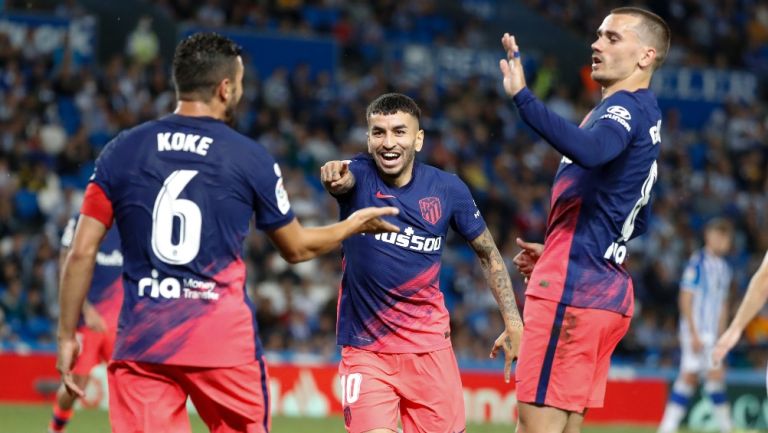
(152, 398)
(424, 389)
(95, 348)
(565, 354)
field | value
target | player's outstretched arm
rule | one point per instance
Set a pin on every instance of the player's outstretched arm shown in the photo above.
(75, 280)
(297, 243)
(754, 299)
(501, 286)
(336, 177)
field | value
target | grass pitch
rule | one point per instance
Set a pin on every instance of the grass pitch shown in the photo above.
(34, 419)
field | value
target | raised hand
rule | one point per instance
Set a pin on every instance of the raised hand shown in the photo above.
(512, 66)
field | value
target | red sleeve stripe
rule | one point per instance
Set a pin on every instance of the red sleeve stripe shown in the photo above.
(97, 205)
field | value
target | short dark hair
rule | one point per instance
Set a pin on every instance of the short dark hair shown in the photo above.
(655, 27)
(200, 62)
(391, 103)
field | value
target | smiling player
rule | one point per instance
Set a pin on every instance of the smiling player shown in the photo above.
(397, 359)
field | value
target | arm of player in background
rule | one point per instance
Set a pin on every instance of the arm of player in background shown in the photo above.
(754, 300)
(91, 317)
(497, 275)
(297, 243)
(336, 177)
(685, 303)
(588, 148)
(75, 281)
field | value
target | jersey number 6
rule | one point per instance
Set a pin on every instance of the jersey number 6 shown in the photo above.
(168, 207)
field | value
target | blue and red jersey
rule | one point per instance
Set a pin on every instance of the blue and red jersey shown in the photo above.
(182, 191)
(600, 198)
(106, 292)
(390, 299)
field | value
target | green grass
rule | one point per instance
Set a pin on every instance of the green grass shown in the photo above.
(34, 419)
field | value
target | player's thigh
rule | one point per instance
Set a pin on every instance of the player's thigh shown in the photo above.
(432, 395)
(368, 396)
(556, 363)
(90, 350)
(612, 328)
(145, 398)
(230, 399)
(540, 419)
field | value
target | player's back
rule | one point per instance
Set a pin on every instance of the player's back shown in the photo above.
(183, 190)
(595, 211)
(708, 278)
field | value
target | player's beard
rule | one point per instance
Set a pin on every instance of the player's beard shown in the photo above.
(230, 112)
(409, 156)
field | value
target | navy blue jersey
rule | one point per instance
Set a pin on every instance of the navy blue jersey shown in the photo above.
(106, 291)
(183, 190)
(597, 209)
(390, 298)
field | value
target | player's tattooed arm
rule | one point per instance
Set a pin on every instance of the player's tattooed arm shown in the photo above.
(336, 177)
(498, 277)
(501, 285)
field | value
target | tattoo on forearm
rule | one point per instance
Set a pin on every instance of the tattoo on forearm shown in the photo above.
(498, 277)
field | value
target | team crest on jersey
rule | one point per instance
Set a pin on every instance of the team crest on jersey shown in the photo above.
(430, 209)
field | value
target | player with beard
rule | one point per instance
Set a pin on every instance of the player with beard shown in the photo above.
(396, 358)
(182, 190)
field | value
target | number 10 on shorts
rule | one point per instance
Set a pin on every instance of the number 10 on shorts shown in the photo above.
(350, 388)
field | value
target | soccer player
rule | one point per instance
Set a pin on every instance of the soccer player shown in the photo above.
(396, 357)
(703, 315)
(182, 190)
(754, 300)
(98, 325)
(579, 297)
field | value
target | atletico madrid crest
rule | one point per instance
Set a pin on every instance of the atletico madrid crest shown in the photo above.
(430, 209)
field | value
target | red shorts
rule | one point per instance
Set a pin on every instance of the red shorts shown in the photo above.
(95, 348)
(152, 398)
(423, 388)
(565, 354)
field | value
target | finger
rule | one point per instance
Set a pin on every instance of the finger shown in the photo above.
(383, 211)
(389, 227)
(494, 351)
(344, 168)
(71, 386)
(507, 368)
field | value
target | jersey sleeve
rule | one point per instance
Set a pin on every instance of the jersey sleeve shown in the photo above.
(69, 232)
(271, 204)
(103, 173)
(358, 166)
(622, 114)
(691, 280)
(465, 216)
(589, 148)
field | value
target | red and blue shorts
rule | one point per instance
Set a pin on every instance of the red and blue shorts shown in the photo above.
(152, 398)
(565, 354)
(423, 389)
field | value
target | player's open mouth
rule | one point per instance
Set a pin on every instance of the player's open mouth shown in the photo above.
(389, 159)
(595, 61)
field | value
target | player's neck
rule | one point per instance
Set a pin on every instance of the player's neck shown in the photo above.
(400, 180)
(197, 109)
(632, 83)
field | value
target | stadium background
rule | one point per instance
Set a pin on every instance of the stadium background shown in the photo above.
(73, 73)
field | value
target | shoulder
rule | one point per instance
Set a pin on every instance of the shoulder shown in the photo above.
(638, 104)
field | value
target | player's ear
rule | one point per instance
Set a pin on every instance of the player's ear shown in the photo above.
(224, 90)
(648, 57)
(419, 140)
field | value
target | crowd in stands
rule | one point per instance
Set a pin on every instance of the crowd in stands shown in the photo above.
(52, 126)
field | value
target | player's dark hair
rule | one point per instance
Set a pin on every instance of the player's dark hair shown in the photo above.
(200, 62)
(653, 26)
(391, 103)
(721, 225)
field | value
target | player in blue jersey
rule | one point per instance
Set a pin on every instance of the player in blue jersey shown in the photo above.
(182, 190)
(579, 297)
(98, 325)
(397, 360)
(703, 314)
